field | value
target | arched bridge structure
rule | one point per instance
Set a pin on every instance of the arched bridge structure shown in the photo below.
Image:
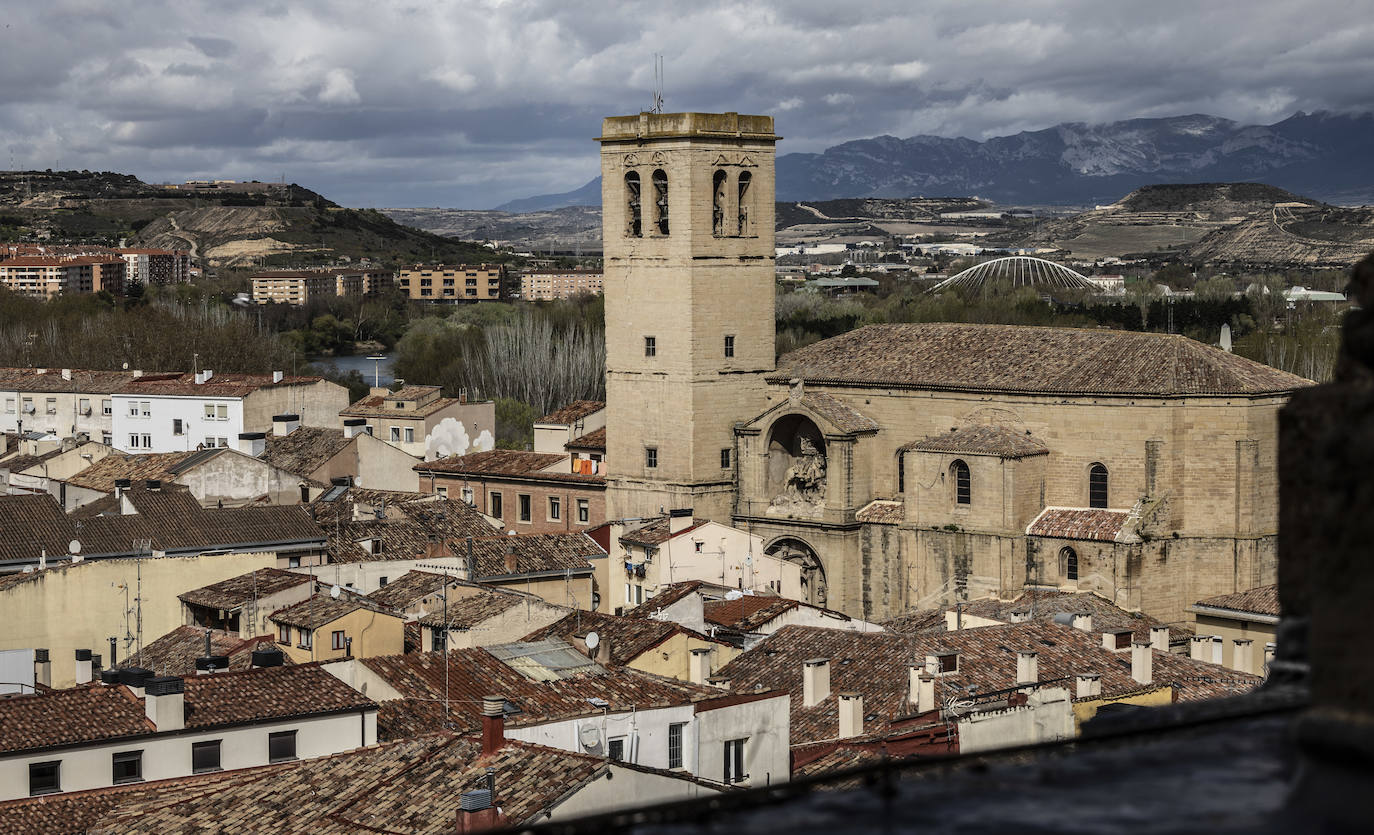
(1017, 271)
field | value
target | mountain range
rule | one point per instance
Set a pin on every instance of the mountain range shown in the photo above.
(1323, 155)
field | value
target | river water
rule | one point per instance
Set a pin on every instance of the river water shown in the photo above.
(363, 366)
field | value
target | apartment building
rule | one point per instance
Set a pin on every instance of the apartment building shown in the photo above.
(63, 401)
(300, 286)
(546, 285)
(420, 421)
(47, 276)
(157, 266)
(452, 284)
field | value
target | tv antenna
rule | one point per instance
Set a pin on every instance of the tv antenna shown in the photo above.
(658, 83)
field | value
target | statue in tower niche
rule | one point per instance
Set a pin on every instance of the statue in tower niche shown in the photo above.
(804, 484)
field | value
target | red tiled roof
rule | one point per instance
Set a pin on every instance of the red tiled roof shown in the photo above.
(843, 416)
(321, 609)
(236, 591)
(882, 512)
(175, 653)
(410, 587)
(511, 463)
(1261, 600)
(628, 638)
(1001, 441)
(748, 612)
(469, 610)
(1045, 604)
(666, 596)
(219, 385)
(575, 410)
(657, 532)
(592, 440)
(1079, 523)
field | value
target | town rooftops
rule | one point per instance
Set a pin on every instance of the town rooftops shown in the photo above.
(668, 595)
(411, 587)
(658, 532)
(58, 260)
(102, 474)
(574, 411)
(594, 441)
(1030, 360)
(175, 653)
(1046, 604)
(321, 609)
(72, 380)
(305, 449)
(1261, 600)
(407, 402)
(219, 385)
(511, 464)
(95, 713)
(626, 638)
(1001, 441)
(371, 525)
(474, 607)
(236, 592)
(1081, 523)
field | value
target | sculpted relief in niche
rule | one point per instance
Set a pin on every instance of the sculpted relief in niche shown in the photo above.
(796, 467)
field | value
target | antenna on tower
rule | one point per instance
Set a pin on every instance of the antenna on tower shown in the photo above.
(658, 83)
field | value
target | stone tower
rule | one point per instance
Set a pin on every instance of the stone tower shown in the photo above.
(687, 225)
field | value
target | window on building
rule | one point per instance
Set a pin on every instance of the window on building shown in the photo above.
(633, 215)
(438, 638)
(177, 427)
(205, 756)
(220, 442)
(675, 744)
(410, 435)
(133, 442)
(133, 408)
(1068, 564)
(901, 472)
(651, 457)
(616, 750)
(555, 508)
(1097, 485)
(336, 639)
(660, 181)
(283, 634)
(293, 562)
(106, 407)
(584, 511)
(947, 662)
(9, 405)
(745, 178)
(84, 405)
(396, 433)
(963, 492)
(466, 494)
(50, 404)
(650, 346)
(525, 507)
(442, 491)
(281, 746)
(725, 459)
(494, 504)
(221, 411)
(146, 410)
(729, 346)
(304, 638)
(699, 546)
(45, 778)
(734, 761)
(128, 766)
(106, 438)
(718, 186)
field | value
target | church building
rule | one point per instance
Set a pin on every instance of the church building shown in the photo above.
(910, 465)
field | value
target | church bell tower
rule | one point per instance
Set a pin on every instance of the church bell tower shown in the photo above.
(687, 230)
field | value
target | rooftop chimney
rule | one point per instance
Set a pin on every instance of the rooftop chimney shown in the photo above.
(922, 686)
(354, 426)
(164, 701)
(136, 373)
(83, 666)
(512, 561)
(135, 678)
(1027, 667)
(267, 656)
(851, 714)
(1200, 648)
(252, 443)
(1142, 662)
(1089, 685)
(700, 665)
(1083, 621)
(42, 668)
(207, 374)
(603, 653)
(815, 681)
(493, 724)
(66, 374)
(154, 484)
(1159, 638)
(285, 424)
(277, 376)
(121, 484)
(1020, 616)
(679, 520)
(1240, 655)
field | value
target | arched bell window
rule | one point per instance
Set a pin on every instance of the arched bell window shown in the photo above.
(718, 186)
(660, 180)
(1068, 564)
(633, 218)
(745, 178)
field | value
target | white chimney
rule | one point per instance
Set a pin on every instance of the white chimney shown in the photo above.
(42, 667)
(354, 426)
(164, 701)
(1200, 648)
(1142, 662)
(252, 443)
(66, 374)
(1027, 667)
(83, 666)
(699, 666)
(1020, 617)
(1240, 655)
(207, 374)
(285, 424)
(815, 681)
(851, 715)
(277, 376)
(1159, 638)
(1268, 656)
(925, 690)
(136, 373)
(200, 378)
(1088, 685)
(1083, 621)
(679, 520)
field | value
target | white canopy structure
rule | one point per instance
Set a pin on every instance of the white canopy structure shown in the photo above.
(1017, 271)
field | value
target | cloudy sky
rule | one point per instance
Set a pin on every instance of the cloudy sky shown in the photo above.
(468, 103)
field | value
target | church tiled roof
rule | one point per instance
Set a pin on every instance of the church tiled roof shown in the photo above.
(844, 417)
(1002, 441)
(1261, 600)
(1031, 360)
(1080, 523)
(882, 512)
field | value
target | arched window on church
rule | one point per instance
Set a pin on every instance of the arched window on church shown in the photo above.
(718, 185)
(901, 472)
(633, 225)
(660, 180)
(745, 178)
(1097, 485)
(963, 492)
(1068, 564)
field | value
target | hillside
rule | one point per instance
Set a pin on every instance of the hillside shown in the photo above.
(259, 223)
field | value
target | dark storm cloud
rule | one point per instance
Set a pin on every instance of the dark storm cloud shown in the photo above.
(471, 103)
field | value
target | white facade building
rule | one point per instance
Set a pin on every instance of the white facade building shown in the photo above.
(165, 423)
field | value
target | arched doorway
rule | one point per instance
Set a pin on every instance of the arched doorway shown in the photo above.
(814, 588)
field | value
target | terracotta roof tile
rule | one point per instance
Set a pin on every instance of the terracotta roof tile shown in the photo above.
(595, 440)
(219, 385)
(513, 463)
(657, 532)
(1081, 523)
(1045, 604)
(102, 474)
(410, 587)
(374, 405)
(175, 653)
(843, 416)
(1001, 441)
(575, 410)
(471, 609)
(304, 450)
(236, 591)
(628, 638)
(321, 609)
(77, 714)
(1262, 600)
(666, 596)
(1011, 358)
(882, 512)
(748, 612)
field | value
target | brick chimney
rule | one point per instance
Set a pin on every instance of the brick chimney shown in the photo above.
(493, 724)
(699, 666)
(851, 715)
(83, 666)
(164, 700)
(1027, 667)
(1240, 655)
(1142, 662)
(1088, 685)
(815, 681)
(512, 561)
(1159, 638)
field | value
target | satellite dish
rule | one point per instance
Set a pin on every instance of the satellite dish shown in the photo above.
(333, 591)
(592, 640)
(590, 737)
(74, 547)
